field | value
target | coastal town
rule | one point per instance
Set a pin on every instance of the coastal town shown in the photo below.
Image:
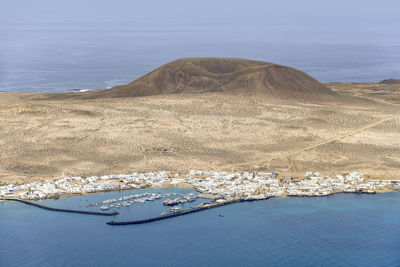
(219, 186)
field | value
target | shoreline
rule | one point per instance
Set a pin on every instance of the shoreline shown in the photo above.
(202, 195)
(201, 207)
(210, 184)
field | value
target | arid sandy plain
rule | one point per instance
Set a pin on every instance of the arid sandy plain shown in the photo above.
(47, 139)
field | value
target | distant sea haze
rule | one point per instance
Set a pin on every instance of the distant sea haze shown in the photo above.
(71, 58)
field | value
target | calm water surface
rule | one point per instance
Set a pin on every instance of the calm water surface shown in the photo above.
(38, 57)
(339, 230)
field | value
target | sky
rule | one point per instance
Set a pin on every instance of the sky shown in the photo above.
(314, 21)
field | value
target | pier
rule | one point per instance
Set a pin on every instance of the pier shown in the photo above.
(63, 210)
(176, 214)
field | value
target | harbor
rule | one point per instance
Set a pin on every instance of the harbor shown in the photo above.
(176, 214)
(204, 190)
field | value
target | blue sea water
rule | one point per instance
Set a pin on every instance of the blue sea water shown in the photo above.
(339, 230)
(40, 57)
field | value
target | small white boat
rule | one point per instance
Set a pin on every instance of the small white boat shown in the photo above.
(175, 209)
(191, 197)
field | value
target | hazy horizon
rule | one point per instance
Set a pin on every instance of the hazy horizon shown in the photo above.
(308, 10)
(61, 45)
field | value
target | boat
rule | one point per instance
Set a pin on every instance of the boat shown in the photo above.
(105, 207)
(170, 202)
(126, 204)
(175, 209)
(190, 198)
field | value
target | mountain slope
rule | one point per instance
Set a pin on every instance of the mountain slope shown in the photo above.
(225, 75)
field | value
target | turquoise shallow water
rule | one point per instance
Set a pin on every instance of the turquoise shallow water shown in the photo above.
(339, 230)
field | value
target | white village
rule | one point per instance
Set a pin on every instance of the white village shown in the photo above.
(220, 186)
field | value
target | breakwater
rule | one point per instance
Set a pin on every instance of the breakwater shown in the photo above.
(176, 214)
(63, 210)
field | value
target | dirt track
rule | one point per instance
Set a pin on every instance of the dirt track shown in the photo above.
(43, 139)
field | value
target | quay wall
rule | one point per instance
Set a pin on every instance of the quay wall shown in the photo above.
(63, 210)
(163, 217)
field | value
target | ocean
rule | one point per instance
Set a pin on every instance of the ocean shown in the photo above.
(37, 57)
(338, 230)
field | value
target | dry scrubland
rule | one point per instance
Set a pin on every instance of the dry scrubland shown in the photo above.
(380, 92)
(41, 139)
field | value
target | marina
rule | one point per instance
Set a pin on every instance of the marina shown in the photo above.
(129, 200)
(207, 190)
(176, 213)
